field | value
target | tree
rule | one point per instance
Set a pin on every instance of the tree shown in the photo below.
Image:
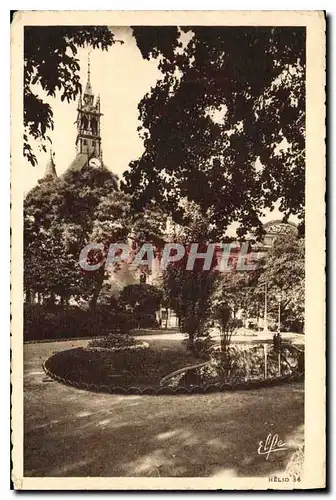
(282, 269)
(224, 127)
(284, 274)
(59, 220)
(227, 324)
(50, 267)
(50, 62)
(234, 289)
(189, 292)
(61, 217)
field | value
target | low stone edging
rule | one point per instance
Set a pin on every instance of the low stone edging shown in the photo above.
(186, 390)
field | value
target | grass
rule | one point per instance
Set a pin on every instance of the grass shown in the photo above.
(141, 368)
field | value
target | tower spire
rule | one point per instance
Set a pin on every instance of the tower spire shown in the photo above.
(88, 88)
(88, 141)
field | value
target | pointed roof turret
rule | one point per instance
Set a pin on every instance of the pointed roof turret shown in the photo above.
(50, 170)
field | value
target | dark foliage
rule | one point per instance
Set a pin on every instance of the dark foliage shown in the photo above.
(141, 298)
(253, 79)
(243, 364)
(62, 217)
(45, 323)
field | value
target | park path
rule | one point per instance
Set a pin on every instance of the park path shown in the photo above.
(70, 432)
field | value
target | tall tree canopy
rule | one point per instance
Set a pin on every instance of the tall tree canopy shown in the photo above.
(50, 61)
(284, 274)
(283, 271)
(224, 127)
(61, 217)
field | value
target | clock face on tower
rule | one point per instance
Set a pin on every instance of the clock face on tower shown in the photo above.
(95, 163)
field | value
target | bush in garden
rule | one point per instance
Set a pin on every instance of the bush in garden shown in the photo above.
(227, 324)
(301, 362)
(293, 358)
(42, 323)
(247, 362)
(113, 341)
(200, 346)
(244, 363)
(250, 361)
(146, 321)
(253, 325)
(142, 300)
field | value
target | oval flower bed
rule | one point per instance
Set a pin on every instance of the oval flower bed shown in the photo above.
(153, 371)
(138, 368)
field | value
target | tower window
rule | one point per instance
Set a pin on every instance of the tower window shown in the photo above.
(84, 123)
(94, 125)
(94, 143)
(85, 142)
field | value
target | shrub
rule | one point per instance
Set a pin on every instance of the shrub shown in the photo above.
(141, 298)
(253, 324)
(200, 346)
(146, 321)
(247, 362)
(41, 323)
(239, 364)
(113, 341)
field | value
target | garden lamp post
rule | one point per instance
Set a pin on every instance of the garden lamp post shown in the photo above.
(136, 307)
(278, 333)
(265, 310)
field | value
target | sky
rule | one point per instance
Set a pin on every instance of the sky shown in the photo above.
(122, 78)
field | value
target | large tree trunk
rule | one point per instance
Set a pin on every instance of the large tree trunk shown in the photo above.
(98, 287)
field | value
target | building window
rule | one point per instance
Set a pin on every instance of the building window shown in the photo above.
(94, 144)
(85, 142)
(84, 123)
(94, 125)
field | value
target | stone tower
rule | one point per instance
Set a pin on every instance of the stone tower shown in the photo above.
(88, 139)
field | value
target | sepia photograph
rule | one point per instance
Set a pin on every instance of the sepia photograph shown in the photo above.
(168, 320)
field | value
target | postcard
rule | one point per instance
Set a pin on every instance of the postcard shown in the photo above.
(168, 250)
